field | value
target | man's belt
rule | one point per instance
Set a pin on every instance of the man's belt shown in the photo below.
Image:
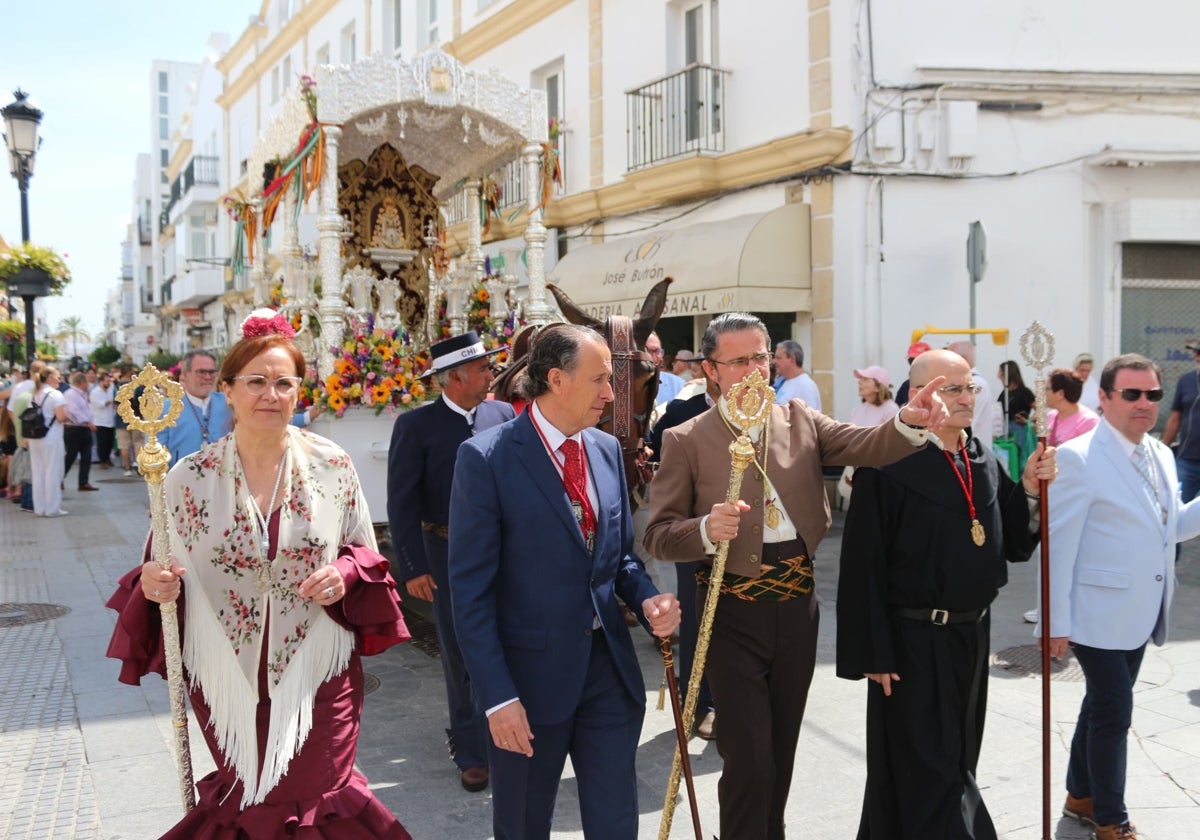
(787, 573)
(941, 618)
(442, 531)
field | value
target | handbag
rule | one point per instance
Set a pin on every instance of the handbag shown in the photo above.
(33, 422)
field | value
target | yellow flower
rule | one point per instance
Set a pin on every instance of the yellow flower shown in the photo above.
(333, 383)
(385, 352)
(381, 393)
(355, 391)
(388, 383)
(417, 390)
(336, 403)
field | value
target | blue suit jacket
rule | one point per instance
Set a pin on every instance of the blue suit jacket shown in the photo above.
(524, 587)
(1112, 559)
(421, 459)
(186, 436)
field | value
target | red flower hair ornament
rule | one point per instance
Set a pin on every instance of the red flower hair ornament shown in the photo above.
(266, 322)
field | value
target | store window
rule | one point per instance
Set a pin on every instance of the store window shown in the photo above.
(1160, 309)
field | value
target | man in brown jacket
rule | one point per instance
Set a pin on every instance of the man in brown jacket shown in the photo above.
(764, 637)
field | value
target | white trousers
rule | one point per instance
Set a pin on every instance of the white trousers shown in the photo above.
(49, 459)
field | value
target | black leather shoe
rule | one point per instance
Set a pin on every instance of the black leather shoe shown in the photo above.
(475, 779)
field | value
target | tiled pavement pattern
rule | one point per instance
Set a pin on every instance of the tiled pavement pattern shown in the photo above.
(83, 756)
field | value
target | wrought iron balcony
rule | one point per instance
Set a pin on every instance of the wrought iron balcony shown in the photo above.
(682, 113)
(201, 170)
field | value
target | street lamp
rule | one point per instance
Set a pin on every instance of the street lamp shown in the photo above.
(21, 122)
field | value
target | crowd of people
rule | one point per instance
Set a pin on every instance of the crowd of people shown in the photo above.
(517, 527)
(81, 426)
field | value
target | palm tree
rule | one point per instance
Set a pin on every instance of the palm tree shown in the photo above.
(72, 327)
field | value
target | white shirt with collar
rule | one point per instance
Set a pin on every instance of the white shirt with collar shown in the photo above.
(458, 409)
(201, 404)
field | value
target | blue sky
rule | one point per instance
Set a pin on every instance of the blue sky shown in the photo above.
(86, 64)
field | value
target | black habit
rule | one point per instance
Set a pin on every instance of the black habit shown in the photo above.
(908, 545)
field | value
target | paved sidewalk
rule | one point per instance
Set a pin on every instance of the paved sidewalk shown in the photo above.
(87, 757)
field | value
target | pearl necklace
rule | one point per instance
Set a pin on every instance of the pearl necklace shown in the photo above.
(263, 580)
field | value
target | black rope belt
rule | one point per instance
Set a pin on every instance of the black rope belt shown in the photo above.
(941, 617)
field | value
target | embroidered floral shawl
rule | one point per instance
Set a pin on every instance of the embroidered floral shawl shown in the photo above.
(215, 536)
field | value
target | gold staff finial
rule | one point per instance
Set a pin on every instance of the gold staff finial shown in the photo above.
(153, 461)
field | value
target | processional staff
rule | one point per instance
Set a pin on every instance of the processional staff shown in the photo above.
(1037, 348)
(153, 461)
(749, 404)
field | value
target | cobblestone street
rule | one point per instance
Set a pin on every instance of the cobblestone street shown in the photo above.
(87, 757)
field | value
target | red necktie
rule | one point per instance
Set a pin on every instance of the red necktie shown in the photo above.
(575, 483)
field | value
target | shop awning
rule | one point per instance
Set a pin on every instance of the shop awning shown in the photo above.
(754, 263)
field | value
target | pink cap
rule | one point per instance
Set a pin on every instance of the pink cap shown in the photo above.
(874, 372)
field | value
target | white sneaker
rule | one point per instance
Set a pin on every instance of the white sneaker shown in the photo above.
(128, 473)
(1031, 616)
(58, 513)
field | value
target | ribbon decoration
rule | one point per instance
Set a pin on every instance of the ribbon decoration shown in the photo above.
(490, 204)
(301, 173)
(244, 233)
(552, 173)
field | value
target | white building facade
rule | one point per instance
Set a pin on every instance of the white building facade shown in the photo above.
(816, 163)
(1069, 130)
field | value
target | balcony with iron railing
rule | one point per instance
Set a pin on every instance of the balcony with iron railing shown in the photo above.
(198, 181)
(682, 113)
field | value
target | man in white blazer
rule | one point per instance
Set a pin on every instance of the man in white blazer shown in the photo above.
(1115, 517)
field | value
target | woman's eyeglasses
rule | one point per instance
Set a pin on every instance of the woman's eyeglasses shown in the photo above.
(1135, 394)
(256, 385)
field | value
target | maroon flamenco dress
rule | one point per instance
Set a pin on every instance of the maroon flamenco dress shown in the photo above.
(321, 796)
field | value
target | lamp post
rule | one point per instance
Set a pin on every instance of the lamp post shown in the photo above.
(21, 122)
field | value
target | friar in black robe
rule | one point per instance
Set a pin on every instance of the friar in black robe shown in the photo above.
(917, 577)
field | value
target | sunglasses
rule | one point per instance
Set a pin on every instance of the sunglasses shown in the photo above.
(1135, 394)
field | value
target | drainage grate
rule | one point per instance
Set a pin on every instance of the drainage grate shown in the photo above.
(14, 615)
(1026, 661)
(424, 634)
(370, 682)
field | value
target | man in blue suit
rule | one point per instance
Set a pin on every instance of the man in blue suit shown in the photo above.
(421, 459)
(541, 547)
(1115, 517)
(205, 416)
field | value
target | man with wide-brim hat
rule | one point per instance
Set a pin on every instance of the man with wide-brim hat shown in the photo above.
(421, 461)
(457, 350)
